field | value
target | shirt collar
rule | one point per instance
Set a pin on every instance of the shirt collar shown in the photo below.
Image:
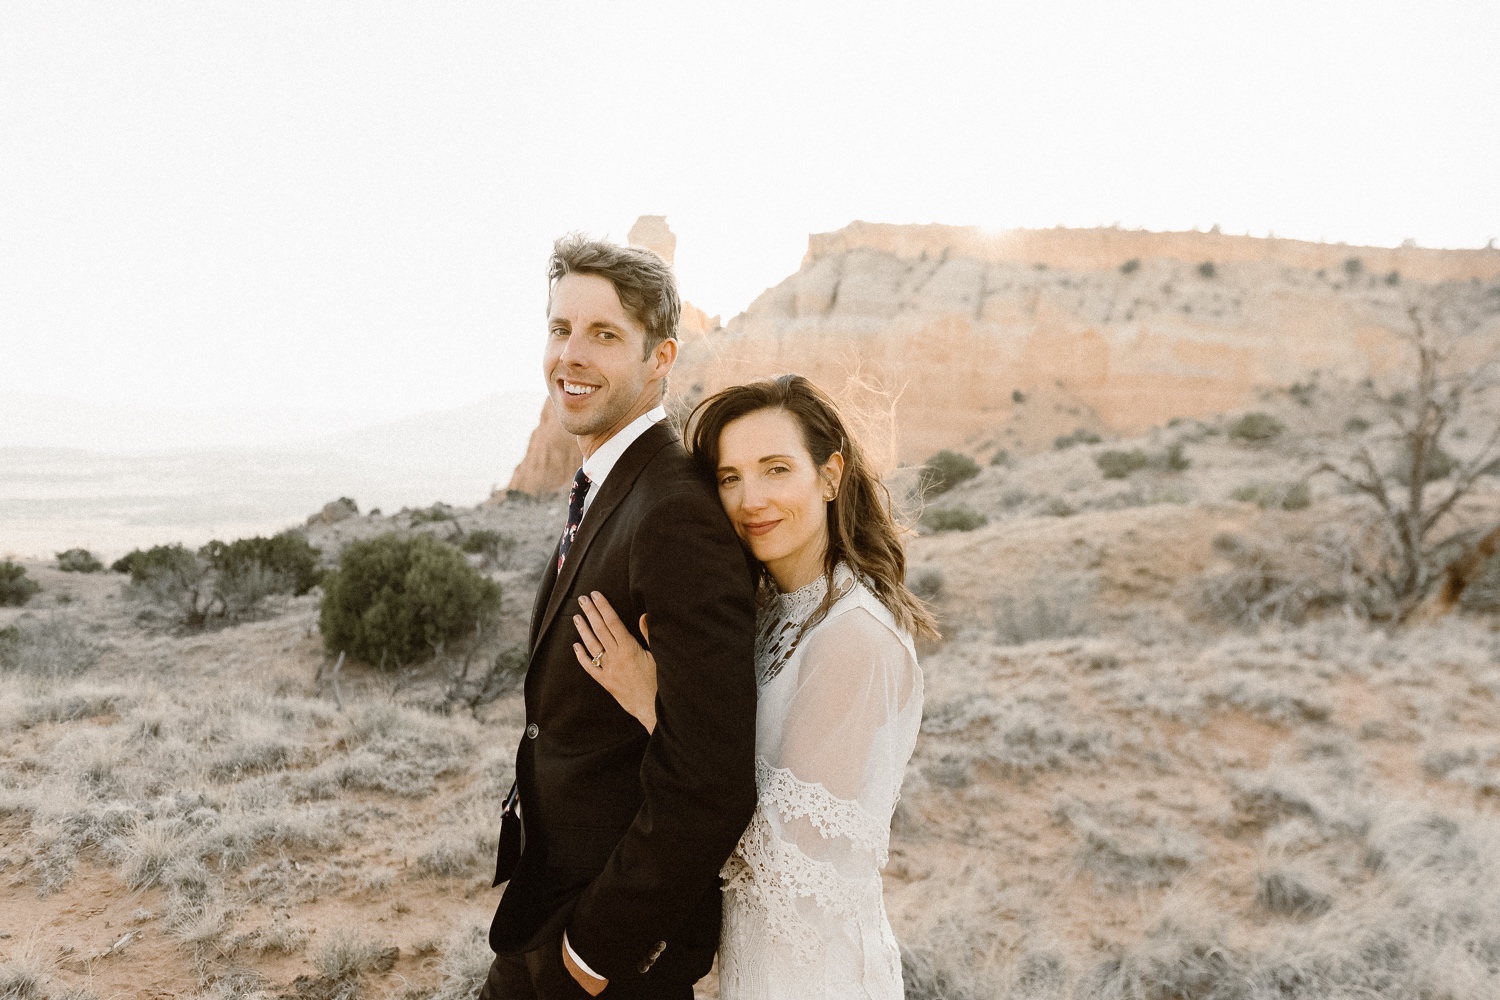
(598, 465)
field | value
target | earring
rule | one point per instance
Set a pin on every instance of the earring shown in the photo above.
(832, 496)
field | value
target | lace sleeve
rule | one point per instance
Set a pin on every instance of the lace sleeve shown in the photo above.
(809, 863)
(826, 787)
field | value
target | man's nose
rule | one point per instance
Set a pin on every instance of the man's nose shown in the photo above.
(574, 352)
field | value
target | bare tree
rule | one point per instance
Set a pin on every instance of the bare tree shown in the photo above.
(1414, 490)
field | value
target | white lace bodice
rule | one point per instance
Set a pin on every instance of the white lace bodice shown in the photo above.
(837, 719)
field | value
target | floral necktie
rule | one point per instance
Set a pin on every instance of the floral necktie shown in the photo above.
(575, 514)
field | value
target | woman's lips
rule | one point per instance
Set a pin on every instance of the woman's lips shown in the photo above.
(757, 528)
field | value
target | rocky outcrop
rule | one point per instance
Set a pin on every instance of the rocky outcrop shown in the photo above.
(335, 511)
(653, 233)
(986, 341)
(551, 458)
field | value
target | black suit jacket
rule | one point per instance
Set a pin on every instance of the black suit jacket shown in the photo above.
(622, 836)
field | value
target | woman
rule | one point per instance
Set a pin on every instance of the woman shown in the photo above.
(840, 692)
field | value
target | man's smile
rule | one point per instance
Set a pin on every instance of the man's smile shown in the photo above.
(577, 388)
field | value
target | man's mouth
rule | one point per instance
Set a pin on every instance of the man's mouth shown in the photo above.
(577, 388)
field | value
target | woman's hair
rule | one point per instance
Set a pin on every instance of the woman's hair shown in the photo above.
(862, 530)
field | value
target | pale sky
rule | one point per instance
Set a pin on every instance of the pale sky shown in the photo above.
(335, 212)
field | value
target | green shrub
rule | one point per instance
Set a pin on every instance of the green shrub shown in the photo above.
(953, 519)
(946, 470)
(1017, 396)
(1001, 457)
(16, 588)
(1256, 427)
(431, 515)
(1175, 460)
(1356, 425)
(79, 561)
(143, 564)
(1353, 266)
(1130, 266)
(1120, 464)
(1394, 278)
(1079, 436)
(1303, 392)
(495, 546)
(173, 577)
(1285, 496)
(1298, 496)
(1438, 464)
(223, 580)
(395, 601)
(287, 555)
(1207, 269)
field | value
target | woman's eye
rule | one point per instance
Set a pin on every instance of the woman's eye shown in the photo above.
(728, 481)
(776, 469)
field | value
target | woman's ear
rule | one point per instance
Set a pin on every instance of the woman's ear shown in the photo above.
(833, 471)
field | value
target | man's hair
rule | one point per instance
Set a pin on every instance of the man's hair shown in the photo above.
(642, 280)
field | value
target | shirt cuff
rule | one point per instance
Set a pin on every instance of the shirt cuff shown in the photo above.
(580, 962)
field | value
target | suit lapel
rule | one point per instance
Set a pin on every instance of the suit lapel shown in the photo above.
(543, 592)
(616, 487)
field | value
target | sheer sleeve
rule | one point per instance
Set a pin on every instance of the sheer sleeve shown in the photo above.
(827, 785)
(853, 679)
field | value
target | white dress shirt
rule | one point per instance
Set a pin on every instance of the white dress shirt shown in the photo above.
(598, 467)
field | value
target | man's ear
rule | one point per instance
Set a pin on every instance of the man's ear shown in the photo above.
(664, 355)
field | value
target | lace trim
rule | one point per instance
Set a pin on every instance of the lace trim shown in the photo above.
(769, 875)
(794, 798)
(800, 603)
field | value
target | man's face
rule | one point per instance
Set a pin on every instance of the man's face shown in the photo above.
(596, 375)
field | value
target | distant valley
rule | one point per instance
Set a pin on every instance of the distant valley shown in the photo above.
(111, 501)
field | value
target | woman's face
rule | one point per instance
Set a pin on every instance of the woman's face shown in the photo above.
(776, 497)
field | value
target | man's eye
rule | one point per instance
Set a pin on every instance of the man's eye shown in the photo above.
(559, 331)
(607, 335)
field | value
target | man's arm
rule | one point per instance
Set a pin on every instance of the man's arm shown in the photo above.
(690, 576)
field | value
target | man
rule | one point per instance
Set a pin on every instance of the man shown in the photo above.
(613, 837)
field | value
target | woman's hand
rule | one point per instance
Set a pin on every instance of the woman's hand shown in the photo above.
(613, 658)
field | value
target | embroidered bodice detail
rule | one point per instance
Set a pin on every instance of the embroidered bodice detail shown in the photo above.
(783, 622)
(839, 708)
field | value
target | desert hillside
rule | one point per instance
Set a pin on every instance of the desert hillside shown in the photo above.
(1166, 753)
(1006, 340)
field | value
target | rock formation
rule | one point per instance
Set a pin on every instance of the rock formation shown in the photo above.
(653, 233)
(985, 341)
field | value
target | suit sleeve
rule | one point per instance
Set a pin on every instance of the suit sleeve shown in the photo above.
(698, 775)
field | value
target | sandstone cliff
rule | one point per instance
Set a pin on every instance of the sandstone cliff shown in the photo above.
(986, 341)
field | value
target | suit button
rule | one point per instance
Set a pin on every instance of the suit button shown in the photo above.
(531, 731)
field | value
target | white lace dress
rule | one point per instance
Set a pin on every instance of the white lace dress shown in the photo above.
(837, 718)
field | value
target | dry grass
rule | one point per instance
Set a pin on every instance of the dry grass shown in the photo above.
(1116, 793)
